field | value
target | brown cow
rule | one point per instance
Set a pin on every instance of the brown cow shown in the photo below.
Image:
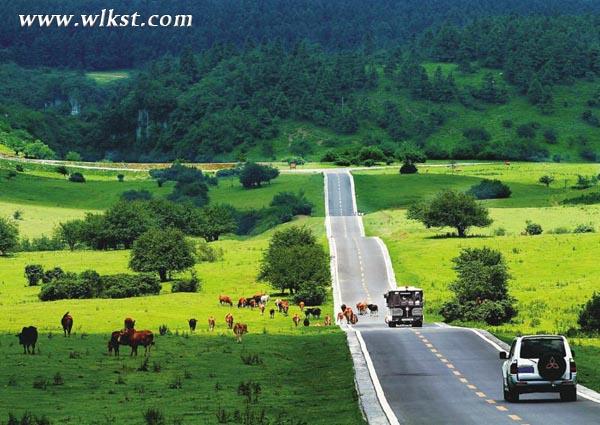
(135, 338)
(229, 320)
(296, 319)
(285, 306)
(328, 320)
(129, 323)
(192, 323)
(354, 319)
(242, 302)
(261, 307)
(278, 304)
(211, 323)
(301, 305)
(348, 313)
(67, 323)
(113, 343)
(224, 299)
(252, 303)
(361, 307)
(240, 329)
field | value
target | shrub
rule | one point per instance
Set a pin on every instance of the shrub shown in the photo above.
(547, 180)
(9, 236)
(584, 228)
(297, 203)
(34, 273)
(50, 275)
(526, 131)
(76, 178)
(253, 175)
(207, 252)
(121, 178)
(61, 169)
(409, 168)
(19, 168)
(136, 195)
(550, 136)
(490, 189)
(342, 162)
(500, 231)
(584, 182)
(128, 285)
(559, 231)
(533, 229)
(72, 156)
(186, 285)
(329, 156)
(589, 316)
(477, 134)
(154, 417)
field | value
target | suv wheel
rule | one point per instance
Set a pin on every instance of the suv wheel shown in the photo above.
(391, 324)
(511, 395)
(569, 394)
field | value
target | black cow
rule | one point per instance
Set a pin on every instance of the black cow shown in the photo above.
(306, 322)
(28, 338)
(192, 323)
(373, 308)
(314, 312)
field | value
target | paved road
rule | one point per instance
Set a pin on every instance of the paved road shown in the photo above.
(433, 375)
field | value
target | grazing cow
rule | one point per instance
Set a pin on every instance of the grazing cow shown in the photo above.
(192, 323)
(211, 323)
(28, 338)
(285, 306)
(224, 299)
(296, 319)
(361, 307)
(264, 299)
(129, 323)
(373, 309)
(252, 303)
(67, 323)
(301, 305)
(315, 312)
(113, 343)
(229, 320)
(261, 307)
(328, 320)
(242, 302)
(272, 313)
(340, 317)
(257, 298)
(306, 322)
(278, 304)
(240, 329)
(135, 338)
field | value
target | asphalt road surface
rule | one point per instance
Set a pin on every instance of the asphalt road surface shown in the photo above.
(435, 374)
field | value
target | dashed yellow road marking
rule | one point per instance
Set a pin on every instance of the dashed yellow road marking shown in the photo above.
(450, 366)
(480, 394)
(433, 350)
(501, 408)
(472, 387)
(443, 360)
(429, 345)
(514, 417)
(464, 380)
(439, 355)
(490, 401)
(456, 372)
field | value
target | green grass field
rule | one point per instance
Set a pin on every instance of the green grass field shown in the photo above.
(305, 374)
(107, 76)
(553, 274)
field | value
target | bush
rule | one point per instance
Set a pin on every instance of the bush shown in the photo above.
(207, 252)
(34, 273)
(253, 175)
(587, 199)
(589, 316)
(312, 293)
(551, 136)
(52, 274)
(9, 236)
(121, 178)
(186, 285)
(76, 178)
(477, 134)
(154, 417)
(228, 172)
(490, 189)
(72, 156)
(408, 168)
(136, 195)
(128, 285)
(526, 131)
(584, 228)
(584, 182)
(343, 162)
(533, 229)
(491, 312)
(19, 168)
(329, 156)
(297, 203)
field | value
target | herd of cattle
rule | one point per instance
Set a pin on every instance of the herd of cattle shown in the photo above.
(134, 338)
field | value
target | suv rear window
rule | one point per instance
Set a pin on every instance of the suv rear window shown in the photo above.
(536, 348)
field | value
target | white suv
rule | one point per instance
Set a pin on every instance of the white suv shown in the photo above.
(539, 363)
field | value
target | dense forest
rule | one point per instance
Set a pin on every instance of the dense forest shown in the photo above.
(371, 76)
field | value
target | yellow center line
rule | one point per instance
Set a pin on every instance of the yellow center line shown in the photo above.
(490, 401)
(501, 408)
(471, 386)
(480, 394)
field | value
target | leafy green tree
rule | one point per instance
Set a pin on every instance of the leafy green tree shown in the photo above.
(216, 220)
(9, 236)
(451, 209)
(546, 180)
(589, 316)
(410, 154)
(125, 222)
(39, 150)
(253, 175)
(162, 251)
(70, 232)
(73, 156)
(294, 261)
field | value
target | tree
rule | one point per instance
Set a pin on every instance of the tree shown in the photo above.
(535, 93)
(9, 236)
(547, 180)
(410, 154)
(73, 156)
(589, 316)
(39, 150)
(77, 178)
(125, 222)
(70, 232)
(162, 251)
(253, 175)
(481, 288)
(295, 261)
(215, 221)
(34, 273)
(452, 209)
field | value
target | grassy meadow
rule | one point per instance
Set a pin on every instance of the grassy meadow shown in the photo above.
(553, 274)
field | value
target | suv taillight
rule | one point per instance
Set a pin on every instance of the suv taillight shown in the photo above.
(573, 366)
(514, 369)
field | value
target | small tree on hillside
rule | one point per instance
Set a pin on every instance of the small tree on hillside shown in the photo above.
(162, 251)
(70, 232)
(34, 273)
(295, 261)
(9, 236)
(216, 220)
(410, 154)
(451, 209)
(547, 180)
